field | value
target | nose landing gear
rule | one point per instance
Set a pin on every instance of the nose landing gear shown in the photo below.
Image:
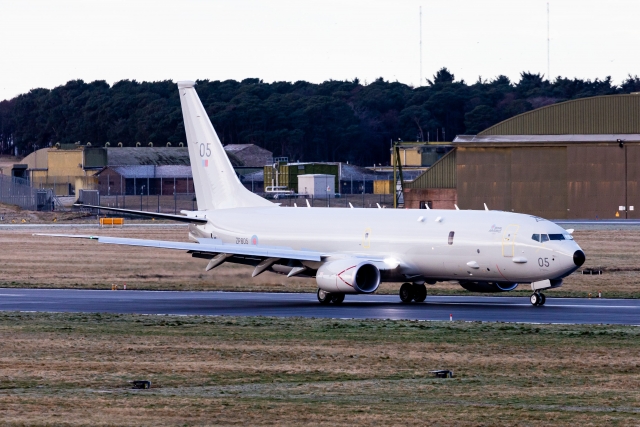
(412, 292)
(537, 299)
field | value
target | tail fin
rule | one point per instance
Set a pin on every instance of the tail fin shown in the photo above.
(215, 182)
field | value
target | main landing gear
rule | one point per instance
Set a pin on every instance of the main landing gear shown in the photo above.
(413, 292)
(537, 299)
(325, 297)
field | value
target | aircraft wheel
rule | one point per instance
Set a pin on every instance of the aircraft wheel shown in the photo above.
(337, 298)
(406, 293)
(419, 293)
(324, 297)
(543, 299)
(535, 299)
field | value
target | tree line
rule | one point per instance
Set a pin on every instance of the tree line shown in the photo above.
(330, 121)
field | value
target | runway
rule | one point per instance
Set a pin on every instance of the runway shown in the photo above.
(437, 308)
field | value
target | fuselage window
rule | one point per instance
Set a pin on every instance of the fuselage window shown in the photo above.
(536, 237)
(544, 238)
(451, 233)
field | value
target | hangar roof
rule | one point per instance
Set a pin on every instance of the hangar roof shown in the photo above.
(124, 156)
(463, 140)
(612, 114)
(165, 156)
(149, 171)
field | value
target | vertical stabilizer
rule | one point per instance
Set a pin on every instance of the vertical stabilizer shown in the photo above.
(217, 185)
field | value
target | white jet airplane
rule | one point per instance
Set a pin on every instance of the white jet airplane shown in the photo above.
(351, 251)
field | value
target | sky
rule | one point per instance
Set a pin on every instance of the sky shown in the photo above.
(45, 43)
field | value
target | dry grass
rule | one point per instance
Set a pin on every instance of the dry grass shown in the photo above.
(73, 369)
(55, 262)
(58, 262)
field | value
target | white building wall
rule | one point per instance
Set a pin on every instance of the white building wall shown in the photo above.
(318, 186)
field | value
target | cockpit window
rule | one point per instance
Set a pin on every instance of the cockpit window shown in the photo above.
(546, 237)
(556, 236)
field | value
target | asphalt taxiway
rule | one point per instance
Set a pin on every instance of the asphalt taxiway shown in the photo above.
(466, 308)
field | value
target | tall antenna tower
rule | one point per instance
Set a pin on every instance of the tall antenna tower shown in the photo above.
(420, 45)
(548, 47)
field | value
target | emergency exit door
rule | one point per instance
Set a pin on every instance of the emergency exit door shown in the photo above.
(509, 240)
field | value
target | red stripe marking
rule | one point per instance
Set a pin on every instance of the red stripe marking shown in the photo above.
(339, 277)
(501, 272)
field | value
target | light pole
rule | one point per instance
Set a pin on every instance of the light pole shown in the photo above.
(141, 193)
(626, 202)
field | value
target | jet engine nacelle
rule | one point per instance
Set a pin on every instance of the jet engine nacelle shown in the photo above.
(488, 286)
(348, 276)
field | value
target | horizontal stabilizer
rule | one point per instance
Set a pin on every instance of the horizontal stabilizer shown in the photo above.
(179, 218)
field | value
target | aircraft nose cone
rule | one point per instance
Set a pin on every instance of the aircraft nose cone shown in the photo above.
(579, 258)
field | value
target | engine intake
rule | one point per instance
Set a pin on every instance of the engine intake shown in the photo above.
(488, 286)
(349, 276)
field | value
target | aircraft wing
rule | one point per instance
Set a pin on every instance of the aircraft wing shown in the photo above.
(212, 246)
(180, 218)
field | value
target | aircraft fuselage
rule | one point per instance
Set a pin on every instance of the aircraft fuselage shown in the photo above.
(435, 244)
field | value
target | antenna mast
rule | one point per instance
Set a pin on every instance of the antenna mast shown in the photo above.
(548, 49)
(420, 45)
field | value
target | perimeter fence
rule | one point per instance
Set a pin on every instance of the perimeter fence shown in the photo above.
(18, 191)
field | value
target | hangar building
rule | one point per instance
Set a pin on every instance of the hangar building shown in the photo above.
(572, 160)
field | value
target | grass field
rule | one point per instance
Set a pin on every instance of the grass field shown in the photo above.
(28, 261)
(74, 369)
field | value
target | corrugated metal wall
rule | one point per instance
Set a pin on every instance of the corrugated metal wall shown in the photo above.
(525, 180)
(484, 176)
(596, 179)
(539, 181)
(633, 179)
(441, 175)
(585, 181)
(598, 115)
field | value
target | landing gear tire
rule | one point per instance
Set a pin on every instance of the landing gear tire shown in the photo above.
(543, 299)
(337, 298)
(419, 292)
(406, 293)
(537, 299)
(324, 297)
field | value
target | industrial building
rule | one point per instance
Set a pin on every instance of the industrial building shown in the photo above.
(249, 155)
(420, 154)
(145, 179)
(349, 179)
(572, 160)
(69, 168)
